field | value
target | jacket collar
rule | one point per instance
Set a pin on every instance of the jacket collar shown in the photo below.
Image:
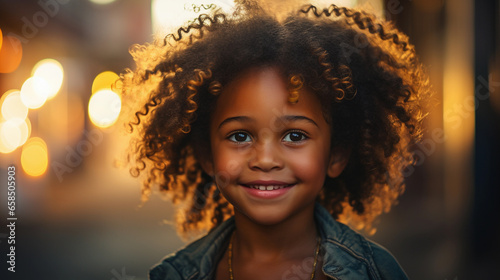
(345, 253)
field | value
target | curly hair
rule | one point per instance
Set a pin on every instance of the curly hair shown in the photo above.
(363, 70)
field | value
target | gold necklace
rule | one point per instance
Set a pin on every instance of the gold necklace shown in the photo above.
(230, 258)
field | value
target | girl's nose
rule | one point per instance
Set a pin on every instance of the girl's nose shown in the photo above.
(265, 157)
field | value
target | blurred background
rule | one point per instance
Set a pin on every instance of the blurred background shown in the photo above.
(80, 217)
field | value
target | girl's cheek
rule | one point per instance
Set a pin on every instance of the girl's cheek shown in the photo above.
(228, 163)
(309, 165)
(233, 167)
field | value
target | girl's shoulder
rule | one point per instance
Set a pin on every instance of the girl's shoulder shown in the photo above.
(387, 265)
(196, 260)
(349, 255)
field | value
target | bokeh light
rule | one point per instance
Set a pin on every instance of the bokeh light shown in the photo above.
(104, 108)
(34, 92)
(12, 105)
(4, 148)
(25, 128)
(13, 133)
(10, 136)
(35, 157)
(52, 72)
(104, 80)
(11, 54)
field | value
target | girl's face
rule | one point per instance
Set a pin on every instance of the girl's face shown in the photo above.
(269, 157)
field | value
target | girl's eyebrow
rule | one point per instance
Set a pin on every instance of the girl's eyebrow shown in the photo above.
(286, 118)
(290, 118)
(233, 119)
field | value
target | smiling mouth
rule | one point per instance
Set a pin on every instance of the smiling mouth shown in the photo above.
(267, 187)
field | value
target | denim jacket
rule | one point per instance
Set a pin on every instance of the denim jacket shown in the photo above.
(345, 254)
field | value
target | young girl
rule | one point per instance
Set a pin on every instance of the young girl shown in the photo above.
(269, 131)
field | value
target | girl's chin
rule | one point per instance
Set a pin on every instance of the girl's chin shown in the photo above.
(266, 216)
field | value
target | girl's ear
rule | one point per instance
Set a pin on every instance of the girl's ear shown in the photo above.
(338, 161)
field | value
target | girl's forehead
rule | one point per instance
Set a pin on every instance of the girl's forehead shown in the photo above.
(263, 93)
(267, 78)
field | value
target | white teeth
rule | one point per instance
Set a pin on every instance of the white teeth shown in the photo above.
(266, 188)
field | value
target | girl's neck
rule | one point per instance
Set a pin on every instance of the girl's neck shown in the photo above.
(289, 239)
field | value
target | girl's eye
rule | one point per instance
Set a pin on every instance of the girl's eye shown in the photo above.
(239, 137)
(295, 136)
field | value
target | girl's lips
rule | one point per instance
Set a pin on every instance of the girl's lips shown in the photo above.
(267, 190)
(266, 183)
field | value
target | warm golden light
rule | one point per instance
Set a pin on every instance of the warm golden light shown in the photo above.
(104, 108)
(4, 149)
(104, 80)
(344, 3)
(167, 14)
(10, 136)
(102, 2)
(25, 128)
(76, 118)
(52, 72)
(12, 106)
(10, 54)
(34, 92)
(35, 157)
(14, 133)
(1, 38)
